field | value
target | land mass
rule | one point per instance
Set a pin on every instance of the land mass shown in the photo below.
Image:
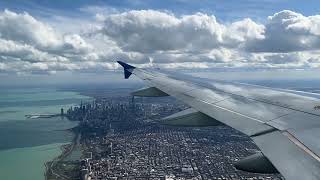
(122, 137)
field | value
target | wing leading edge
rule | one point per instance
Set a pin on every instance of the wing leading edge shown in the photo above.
(284, 124)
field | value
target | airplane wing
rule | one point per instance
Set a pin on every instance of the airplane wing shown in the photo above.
(284, 124)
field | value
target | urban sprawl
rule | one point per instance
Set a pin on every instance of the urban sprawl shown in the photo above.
(123, 138)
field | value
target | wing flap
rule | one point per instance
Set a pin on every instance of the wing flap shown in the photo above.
(309, 138)
(291, 161)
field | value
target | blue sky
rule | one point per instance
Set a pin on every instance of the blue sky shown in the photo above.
(224, 10)
(64, 37)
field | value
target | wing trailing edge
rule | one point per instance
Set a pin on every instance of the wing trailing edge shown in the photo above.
(149, 92)
(191, 118)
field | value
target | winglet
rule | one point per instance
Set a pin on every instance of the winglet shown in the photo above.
(127, 69)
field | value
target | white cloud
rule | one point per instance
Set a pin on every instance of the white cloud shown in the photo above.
(282, 42)
(157, 38)
(246, 30)
(288, 31)
(25, 52)
(29, 45)
(25, 29)
(148, 31)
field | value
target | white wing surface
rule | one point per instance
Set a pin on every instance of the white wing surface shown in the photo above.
(284, 124)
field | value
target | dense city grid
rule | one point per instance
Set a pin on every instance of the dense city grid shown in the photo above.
(122, 138)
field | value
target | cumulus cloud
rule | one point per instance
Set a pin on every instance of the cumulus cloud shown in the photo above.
(25, 52)
(25, 29)
(288, 31)
(147, 31)
(157, 38)
(282, 42)
(29, 45)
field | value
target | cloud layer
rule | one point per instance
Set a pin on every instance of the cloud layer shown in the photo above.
(288, 31)
(154, 38)
(148, 31)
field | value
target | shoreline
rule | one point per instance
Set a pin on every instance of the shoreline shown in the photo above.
(66, 149)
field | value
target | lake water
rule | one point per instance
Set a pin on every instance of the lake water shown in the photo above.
(26, 144)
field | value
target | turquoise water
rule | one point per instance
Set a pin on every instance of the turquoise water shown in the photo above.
(26, 144)
(27, 163)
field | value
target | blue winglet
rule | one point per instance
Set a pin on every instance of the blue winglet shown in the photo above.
(127, 69)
